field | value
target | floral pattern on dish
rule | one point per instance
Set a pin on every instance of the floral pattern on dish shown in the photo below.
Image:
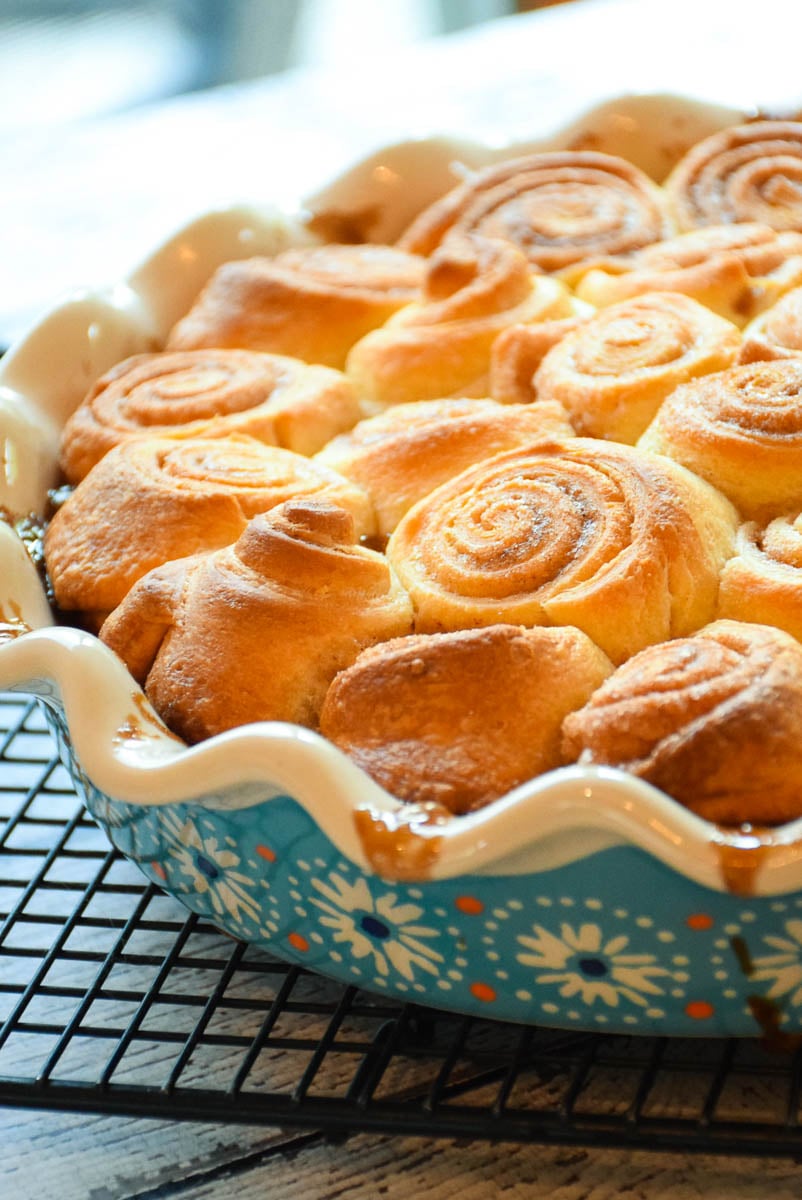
(382, 928)
(582, 962)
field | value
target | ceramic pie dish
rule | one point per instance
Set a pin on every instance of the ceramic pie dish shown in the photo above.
(585, 899)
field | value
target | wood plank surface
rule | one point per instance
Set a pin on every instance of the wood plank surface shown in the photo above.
(65, 1157)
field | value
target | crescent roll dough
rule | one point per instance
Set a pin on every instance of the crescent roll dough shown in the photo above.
(461, 718)
(622, 544)
(402, 454)
(208, 393)
(714, 720)
(310, 303)
(150, 500)
(257, 631)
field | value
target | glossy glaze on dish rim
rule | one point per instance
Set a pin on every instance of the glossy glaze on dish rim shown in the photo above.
(119, 741)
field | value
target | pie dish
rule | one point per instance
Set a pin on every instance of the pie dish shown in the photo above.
(585, 899)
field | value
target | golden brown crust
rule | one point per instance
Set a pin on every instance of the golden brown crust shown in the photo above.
(402, 454)
(475, 288)
(461, 718)
(257, 631)
(714, 720)
(518, 351)
(310, 303)
(776, 333)
(738, 271)
(740, 429)
(613, 372)
(208, 393)
(150, 500)
(560, 208)
(749, 172)
(571, 532)
(762, 582)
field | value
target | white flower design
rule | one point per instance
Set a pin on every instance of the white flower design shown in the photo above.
(212, 870)
(585, 965)
(784, 967)
(377, 926)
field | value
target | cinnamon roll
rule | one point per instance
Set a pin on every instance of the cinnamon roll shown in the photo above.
(622, 544)
(257, 631)
(459, 719)
(560, 208)
(613, 372)
(208, 393)
(518, 351)
(713, 720)
(750, 172)
(776, 333)
(404, 453)
(310, 303)
(738, 271)
(150, 500)
(741, 430)
(762, 582)
(474, 288)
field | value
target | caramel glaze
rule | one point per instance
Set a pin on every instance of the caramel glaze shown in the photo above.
(139, 725)
(739, 868)
(739, 864)
(400, 845)
(12, 624)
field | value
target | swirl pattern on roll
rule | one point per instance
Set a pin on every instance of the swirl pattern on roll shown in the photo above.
(776, 333)
(613, 372)
(208, 393)
(404, 453)
(738, 271)
(749, 172)
(713, 720)
(599, 535)
(475, 287)
(740, 429)
(311, 303)
(762, 582)
(256, 631)
(560, 208)
(151, 500)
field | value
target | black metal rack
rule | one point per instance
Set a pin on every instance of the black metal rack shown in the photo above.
(113, 999)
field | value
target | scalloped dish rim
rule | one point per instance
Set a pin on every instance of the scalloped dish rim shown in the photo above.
(119, 740)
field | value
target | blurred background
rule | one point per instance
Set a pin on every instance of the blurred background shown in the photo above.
(62, 60)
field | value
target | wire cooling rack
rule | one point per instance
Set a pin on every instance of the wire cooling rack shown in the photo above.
(114, 999)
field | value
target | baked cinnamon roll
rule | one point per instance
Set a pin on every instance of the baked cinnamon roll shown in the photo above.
(713, 720)
(776, 333)
(741, 430)
(735, 270)
(617, 542)
(208, 393)
(257, 631)
(750, 172)
(518, 351)
(459, 719)
(613, 372)
(474, 288)
(762, 582)
(310, 303)
(401, 455)
(150, 500)
(560, 208)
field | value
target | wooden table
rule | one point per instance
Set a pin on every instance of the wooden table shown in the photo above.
(81, 204)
